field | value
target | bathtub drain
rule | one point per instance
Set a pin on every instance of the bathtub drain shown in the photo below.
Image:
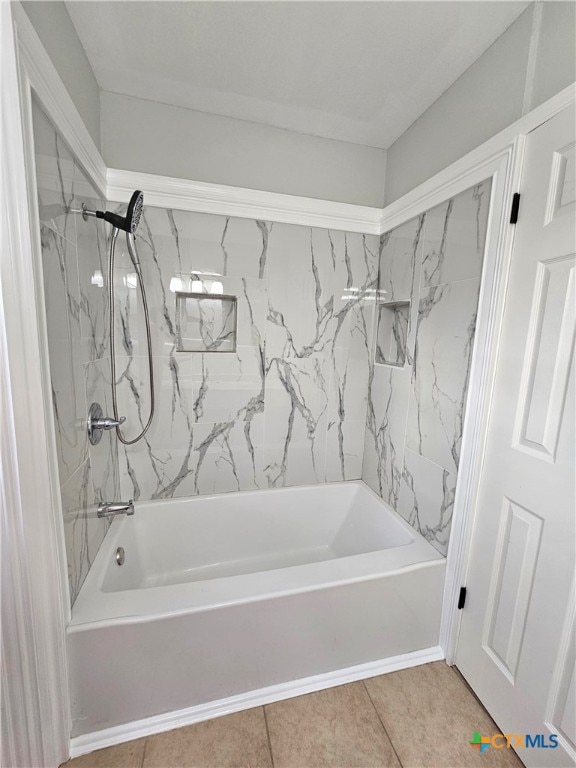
(120, 556)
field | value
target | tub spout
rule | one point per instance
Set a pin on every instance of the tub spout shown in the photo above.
(112, 508)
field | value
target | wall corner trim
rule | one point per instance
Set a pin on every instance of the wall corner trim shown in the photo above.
(204, 197)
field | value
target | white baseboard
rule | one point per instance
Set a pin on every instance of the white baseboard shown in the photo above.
(81, 745)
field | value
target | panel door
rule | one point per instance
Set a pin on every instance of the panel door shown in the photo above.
(517, 644)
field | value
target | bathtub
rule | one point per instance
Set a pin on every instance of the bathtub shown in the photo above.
(230, 600)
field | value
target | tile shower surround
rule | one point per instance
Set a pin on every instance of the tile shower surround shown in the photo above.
(74, 269)
(416, 413)
(288, 406)
(300, 400)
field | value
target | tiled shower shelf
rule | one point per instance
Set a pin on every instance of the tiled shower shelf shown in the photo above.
(392, 333)
(206, 322)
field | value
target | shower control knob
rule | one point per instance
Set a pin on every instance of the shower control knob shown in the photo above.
(97, 423)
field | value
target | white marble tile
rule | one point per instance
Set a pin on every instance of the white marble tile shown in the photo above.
(445, 334)
(454, 237)
(61, 296)
(204, 458)
(92, 250)
(427, 499)
(324, 284)
(61, 290)
(227, 387)
(301, 286)
(104, 455)
(251, 303)
(400, 253)
(296, 402)
(344, 450)
(54, 175)
(348, 386)
(83, 531)
(161, 465)
(388, 394)
(316, 281)
(163, 277)
(228, 456)
(174, 382)
(193, 393)
(69, 406)
(183, 241)
(399, 276)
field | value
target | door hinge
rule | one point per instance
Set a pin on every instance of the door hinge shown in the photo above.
(515, 208)
(461, 598)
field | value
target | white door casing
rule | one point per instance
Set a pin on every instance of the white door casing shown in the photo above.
(516, 645)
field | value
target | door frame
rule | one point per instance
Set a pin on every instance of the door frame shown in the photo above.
(35, 591)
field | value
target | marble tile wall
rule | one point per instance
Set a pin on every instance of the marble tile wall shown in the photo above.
(416, 411)
(289, 405)
(74, 269)
(300, 400)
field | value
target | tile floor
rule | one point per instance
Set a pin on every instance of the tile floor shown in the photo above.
(423, 716)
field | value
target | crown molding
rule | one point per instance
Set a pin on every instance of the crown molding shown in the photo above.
(437, 188)
(203, 197)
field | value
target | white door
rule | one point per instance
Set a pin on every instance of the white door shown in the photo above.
(517, 643)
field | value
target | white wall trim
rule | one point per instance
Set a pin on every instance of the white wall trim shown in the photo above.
(535, 34)
(182, 717)
(188, 195)
(500, 236)
(503, 164)
(35, 700)
(500, 158)
(199, 196)
(55, 99)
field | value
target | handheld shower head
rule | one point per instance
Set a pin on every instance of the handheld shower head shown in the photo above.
(134, 211)
(128, 223)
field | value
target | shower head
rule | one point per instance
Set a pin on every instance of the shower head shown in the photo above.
(128, 223)
(134, 211)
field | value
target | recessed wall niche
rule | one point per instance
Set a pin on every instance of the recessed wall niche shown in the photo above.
(392, 333)
(205, 322)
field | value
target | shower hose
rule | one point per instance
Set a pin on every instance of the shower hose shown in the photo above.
(111, 256)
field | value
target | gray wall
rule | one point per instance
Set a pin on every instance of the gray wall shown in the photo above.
(142, 135)
(56, 31)
(507, 81)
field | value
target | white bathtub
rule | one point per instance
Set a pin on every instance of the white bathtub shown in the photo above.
(227, 599)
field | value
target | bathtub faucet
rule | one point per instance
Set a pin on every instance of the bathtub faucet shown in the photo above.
(112, 508)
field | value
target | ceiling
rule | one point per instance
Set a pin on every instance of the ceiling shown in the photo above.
(355, 71)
